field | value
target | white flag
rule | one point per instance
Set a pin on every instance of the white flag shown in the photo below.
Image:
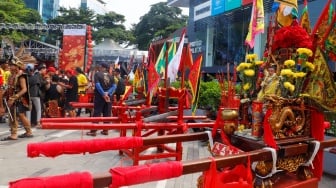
(175, 61)
(116, 63)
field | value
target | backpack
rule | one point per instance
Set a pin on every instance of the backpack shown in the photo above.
(120, 90)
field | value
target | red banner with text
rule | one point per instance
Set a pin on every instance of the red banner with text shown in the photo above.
(73, 52)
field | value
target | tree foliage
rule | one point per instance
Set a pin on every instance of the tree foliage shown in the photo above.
(110, 25)
(160, 21)
(74, 16)
(210, 95)
(15, 11)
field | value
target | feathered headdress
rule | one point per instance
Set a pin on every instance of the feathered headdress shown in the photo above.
(20, 57)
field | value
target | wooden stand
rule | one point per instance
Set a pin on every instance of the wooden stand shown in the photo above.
(287, 147)
(249, 144)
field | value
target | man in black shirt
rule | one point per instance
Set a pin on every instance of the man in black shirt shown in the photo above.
(71, 92)
(104, 89)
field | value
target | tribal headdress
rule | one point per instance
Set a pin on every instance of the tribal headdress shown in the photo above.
(20, 57)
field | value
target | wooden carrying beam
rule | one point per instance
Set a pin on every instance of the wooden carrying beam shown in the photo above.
(160, 117)
(194, 166)
(109, 126)
(108, 119)
(135, 102)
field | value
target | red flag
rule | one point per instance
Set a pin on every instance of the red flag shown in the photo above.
(153, 76)
(194, 76)
(187, 60)
(323, 23)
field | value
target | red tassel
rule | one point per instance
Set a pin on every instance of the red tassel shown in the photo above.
(210, 175)
(238, 177)
(268, 134)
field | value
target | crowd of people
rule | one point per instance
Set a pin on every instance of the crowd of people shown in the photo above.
(32, 91)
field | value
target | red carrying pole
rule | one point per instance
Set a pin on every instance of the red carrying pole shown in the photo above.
(80, 119)
(54, 149)
(108, 126)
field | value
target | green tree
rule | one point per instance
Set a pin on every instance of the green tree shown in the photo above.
(160, 21)
(110, 25)
(210, 95)
(15, 11)
(74, 16)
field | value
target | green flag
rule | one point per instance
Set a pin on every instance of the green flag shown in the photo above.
(161, 60)
(171, 51)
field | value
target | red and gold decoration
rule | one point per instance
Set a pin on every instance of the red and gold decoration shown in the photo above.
(194, 81)
(73, 48)
(257, 118)
(89, 48)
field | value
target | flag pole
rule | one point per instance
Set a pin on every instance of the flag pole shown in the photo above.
(183, 67)
(166, 82)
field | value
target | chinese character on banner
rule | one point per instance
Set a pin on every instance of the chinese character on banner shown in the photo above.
(73, 48)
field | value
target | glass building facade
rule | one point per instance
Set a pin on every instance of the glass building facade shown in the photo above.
(33, 4)
(218, 28)
(47, 8)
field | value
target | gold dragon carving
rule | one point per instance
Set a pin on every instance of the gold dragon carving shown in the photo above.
(288, 116)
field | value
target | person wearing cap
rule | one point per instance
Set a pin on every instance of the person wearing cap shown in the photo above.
(51, 71)
(34, 92)
(18, 101)
(54, 96)
(104, 89)
(41, 72)
(71, 92)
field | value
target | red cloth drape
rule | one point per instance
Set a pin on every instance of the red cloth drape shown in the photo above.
(268, 134)
(73, 180)
(124, 176)
(317, 132)
(238, 177)
(53, 149)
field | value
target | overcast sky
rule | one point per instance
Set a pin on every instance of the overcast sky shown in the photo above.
(131, 9)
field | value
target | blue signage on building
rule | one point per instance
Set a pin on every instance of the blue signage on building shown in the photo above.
(217, 7)
(232, 4)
